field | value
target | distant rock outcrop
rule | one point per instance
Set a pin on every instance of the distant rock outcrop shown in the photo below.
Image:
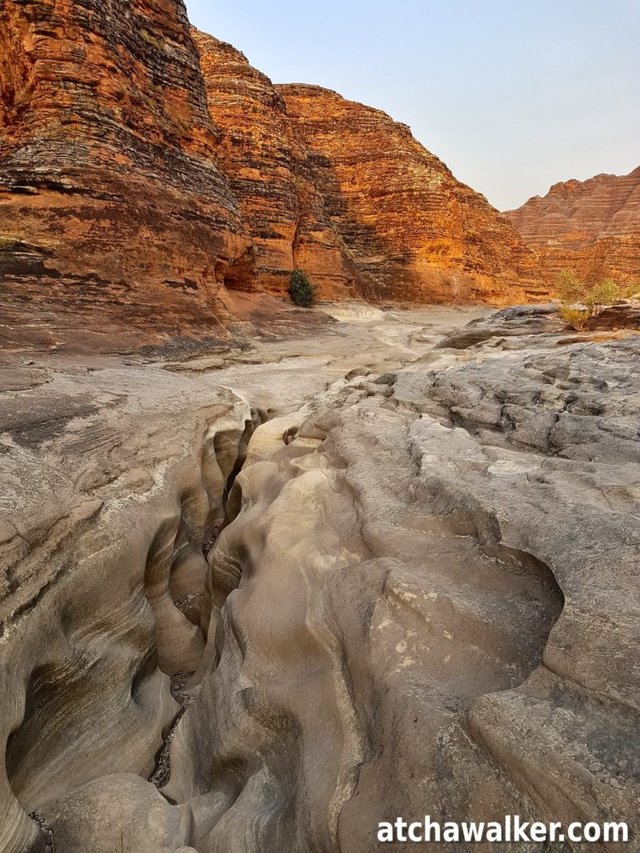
(590, 226)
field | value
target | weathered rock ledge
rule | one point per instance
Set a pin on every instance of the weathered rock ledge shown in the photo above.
(418, 575)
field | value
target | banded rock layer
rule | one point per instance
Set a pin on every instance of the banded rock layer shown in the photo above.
(346, 193)
(112, 208)
(592, 227)
(147, 169)
(413, 230)
(271, 175)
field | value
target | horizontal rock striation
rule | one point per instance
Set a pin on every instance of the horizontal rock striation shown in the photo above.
(415, 233)
(148, 173)
(271, 176)
(113, 213)
(592, 227)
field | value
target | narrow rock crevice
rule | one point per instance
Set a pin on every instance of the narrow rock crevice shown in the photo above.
(193, 603)
(114, 658)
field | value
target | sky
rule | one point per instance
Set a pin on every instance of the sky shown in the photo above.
(513, 95)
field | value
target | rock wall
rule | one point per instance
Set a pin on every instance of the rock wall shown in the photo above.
(592, 227)
(413, 230)
(112, 208)
(270, 173)
(134, 198)
(345, 193)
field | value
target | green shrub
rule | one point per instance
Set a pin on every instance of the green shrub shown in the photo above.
(632, 291)
(570, 288)
(581, 300)
(302, 292)
(8, 244)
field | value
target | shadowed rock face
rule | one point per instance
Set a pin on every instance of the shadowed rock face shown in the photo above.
(590, 226)
(111, 205)
(413, 230)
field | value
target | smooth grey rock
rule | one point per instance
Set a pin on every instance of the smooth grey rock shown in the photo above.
(418, 596)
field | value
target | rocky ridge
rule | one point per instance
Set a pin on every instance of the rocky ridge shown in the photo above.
(270, 173)
(346, 193)
(413, 230)
(592, 227)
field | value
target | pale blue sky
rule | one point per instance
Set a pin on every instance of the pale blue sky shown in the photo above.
(513, 95)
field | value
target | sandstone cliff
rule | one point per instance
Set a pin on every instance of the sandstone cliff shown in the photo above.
(270, 173)
(148, 173)
(346, 193)
(111, 205)
(591, 226)
(413, 230)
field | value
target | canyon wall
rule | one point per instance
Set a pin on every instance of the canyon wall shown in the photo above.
(271, 175)
(346, 193)
(413, 230)
(113, 213)
(592, 227)
(148, 173)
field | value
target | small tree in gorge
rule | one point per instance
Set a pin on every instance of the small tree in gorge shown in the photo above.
(302, 292)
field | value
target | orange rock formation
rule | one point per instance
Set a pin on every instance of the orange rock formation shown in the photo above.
(592, 227)
(271, 175)
(146, 170)
(346, 193)
(112, 208)
(413, 230)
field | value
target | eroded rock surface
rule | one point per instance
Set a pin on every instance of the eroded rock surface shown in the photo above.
(592, 227)
(413, 230)
(440, 583)
(393, 579)
(109, 489)
(114, 216)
